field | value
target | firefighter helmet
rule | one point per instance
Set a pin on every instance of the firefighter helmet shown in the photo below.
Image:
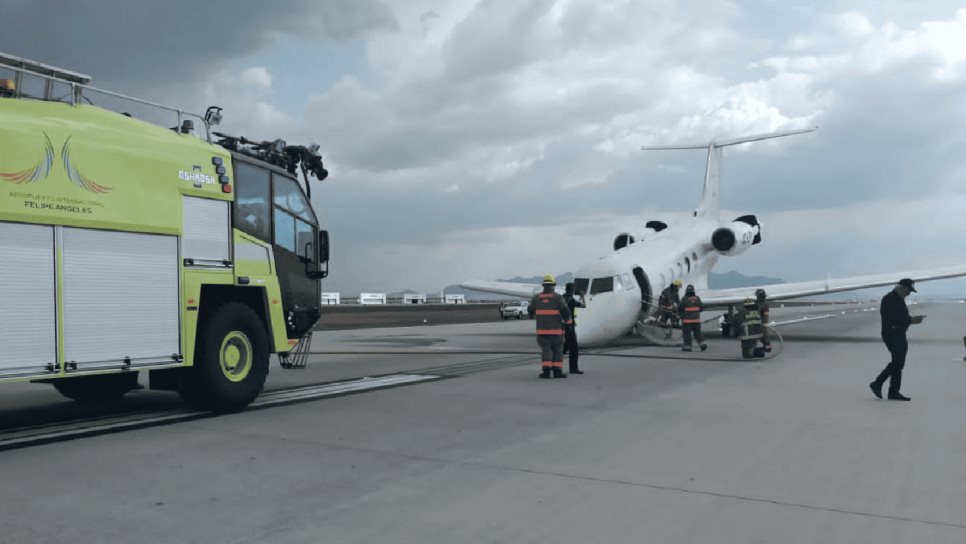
(760, 293)
(677, 283)
(548, 279)
(750, 302)
(689, 290)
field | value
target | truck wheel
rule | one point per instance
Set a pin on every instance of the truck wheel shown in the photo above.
(100, 390)
(231, 360)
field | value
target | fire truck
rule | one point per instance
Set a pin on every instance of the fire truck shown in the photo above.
(146, 242)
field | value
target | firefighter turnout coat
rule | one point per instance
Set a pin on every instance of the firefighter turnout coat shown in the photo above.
(690, 308)
(552, 313)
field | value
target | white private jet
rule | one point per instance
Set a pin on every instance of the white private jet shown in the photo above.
(642, 265)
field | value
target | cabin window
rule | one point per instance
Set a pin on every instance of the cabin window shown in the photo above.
(581, 285)
(602, 285)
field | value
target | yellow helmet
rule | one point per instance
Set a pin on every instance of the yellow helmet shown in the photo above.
(677, 283)
(549, 280)
(750, 302)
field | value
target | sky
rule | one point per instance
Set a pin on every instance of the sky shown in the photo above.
(488, 139)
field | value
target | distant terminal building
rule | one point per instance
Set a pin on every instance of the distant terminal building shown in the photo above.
(414, 298)
(372, 298)
(454, 299)
(329, 299)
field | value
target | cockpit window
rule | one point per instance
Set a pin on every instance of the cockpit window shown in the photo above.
(581, 284)
(602, 285)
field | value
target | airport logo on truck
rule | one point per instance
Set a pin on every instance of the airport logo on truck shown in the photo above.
(42, 168)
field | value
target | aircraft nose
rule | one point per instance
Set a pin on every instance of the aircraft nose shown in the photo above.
(606, 318)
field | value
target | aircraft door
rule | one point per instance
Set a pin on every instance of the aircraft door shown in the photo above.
(645, 285)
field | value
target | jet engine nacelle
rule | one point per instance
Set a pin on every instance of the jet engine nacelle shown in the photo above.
(735, 238)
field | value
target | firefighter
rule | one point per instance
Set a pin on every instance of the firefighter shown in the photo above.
(690, 312)
(552, 314)
(570, 331)
(748, 324)
(762, 299)
(667, 305)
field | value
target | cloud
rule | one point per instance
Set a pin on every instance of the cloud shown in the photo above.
(883, 94)
(257, 77)
(445, 121)
(136, 46)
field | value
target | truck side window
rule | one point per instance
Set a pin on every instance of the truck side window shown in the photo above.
(295, 223)
(288, 195)
(252, 197)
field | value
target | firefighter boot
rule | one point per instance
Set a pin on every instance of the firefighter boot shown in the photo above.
(704, 347)
(545, 373)
(558, 373)
(746, 350)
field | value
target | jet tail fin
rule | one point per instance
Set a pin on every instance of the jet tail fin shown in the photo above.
(711, 197)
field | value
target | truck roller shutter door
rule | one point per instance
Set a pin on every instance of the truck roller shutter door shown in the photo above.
(120, 298)
(28, 324)
(207, 232)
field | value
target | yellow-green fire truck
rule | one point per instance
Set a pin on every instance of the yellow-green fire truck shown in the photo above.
(128, 246)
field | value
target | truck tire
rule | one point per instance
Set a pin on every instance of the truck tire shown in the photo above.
(231, 360)
(99, 390)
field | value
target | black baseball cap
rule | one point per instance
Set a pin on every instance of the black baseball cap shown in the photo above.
(906, 282)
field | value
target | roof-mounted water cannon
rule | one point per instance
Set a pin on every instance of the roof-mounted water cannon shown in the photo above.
(309, 161)
(290, 157)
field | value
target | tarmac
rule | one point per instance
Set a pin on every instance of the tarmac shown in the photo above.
(647, 446)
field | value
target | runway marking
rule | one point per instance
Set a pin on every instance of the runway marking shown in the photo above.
(722, 495)
(22, 437)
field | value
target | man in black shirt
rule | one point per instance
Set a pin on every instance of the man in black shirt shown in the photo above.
(570, 331)
(895, 321)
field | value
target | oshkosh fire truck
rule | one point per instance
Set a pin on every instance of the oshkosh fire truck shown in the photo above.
(129, 246)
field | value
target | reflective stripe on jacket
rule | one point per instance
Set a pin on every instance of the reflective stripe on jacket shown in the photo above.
(691, 308)
(750, 328)
(552, 313)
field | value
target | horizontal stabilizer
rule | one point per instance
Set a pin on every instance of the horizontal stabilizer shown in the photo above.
(522, 290)
(731, 141)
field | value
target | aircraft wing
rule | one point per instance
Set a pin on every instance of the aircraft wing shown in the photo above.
(522, 290)
(781, 291)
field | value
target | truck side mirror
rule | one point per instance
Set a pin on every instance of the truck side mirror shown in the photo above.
(323, 246)
(320, 271)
